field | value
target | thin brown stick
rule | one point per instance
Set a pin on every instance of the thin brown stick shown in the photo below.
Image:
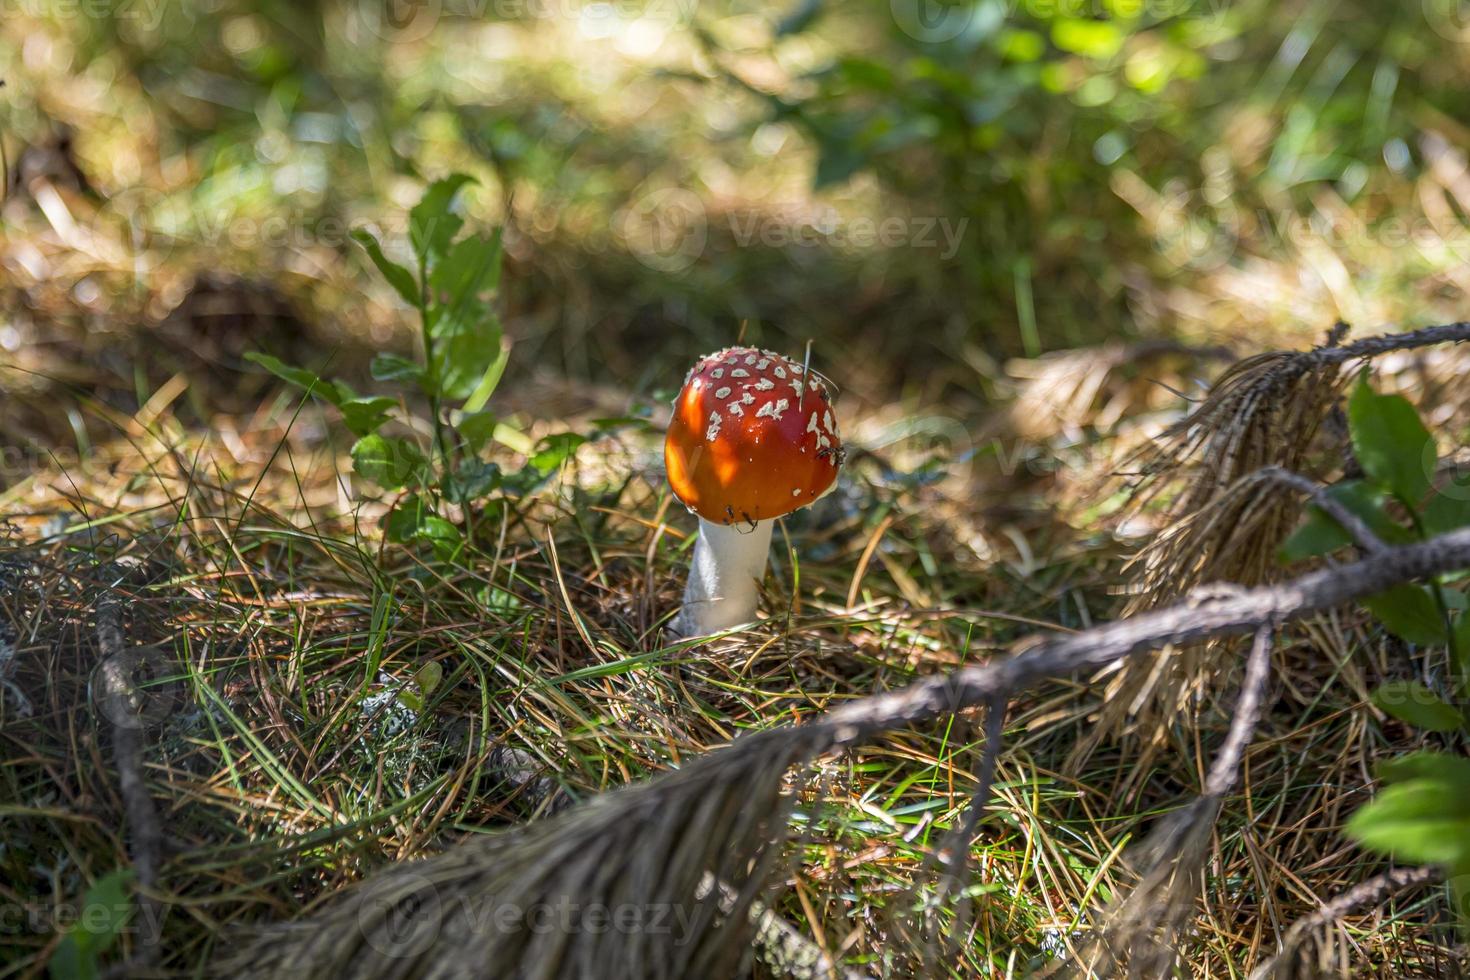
(119, 697)
(1207, 612)
(1449, 333)
(1371, 892)
(1225, 770)
(1360, 532)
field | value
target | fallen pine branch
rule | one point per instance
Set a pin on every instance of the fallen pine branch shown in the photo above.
(647, 852)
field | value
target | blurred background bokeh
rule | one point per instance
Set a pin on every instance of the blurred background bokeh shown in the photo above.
(925, 189)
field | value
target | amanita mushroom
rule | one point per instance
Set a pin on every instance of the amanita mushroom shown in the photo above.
(752, 438)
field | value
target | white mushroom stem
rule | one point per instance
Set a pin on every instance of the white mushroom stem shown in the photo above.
(729, 563)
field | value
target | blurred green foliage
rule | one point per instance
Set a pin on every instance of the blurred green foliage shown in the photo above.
(1048, 126)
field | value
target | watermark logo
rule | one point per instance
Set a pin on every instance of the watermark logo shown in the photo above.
(137, 688)
(1450, 19)
(667, 229)
(931, 21)
(1191, 233)
(398, 21)
(829, 229)
(402, 916)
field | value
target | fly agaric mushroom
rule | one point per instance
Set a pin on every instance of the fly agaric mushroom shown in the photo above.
(752, 438)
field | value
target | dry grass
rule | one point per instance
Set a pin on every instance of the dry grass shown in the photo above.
(286, 768)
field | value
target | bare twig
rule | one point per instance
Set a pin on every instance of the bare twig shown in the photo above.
(1449, 333)
(1361, 533)
(1225, 771)
(1200, 615)
(1371, 892)
(119, 699)
(957, 848)
(1143, 927)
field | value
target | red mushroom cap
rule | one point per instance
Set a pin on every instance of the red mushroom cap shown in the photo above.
(752, 437)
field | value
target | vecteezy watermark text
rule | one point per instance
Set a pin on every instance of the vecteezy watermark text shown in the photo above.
(831, 230)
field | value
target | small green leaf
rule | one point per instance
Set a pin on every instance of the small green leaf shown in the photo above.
(391, 367)
(1409, 611)
(403, 521)
(552, 451)
(1424, 765)
(1448, 510)
(412, 519)
(425, 681)
(431, 223)
(428, 678)
(443, 535)
(1422, 818)
(300, 377)
(462, 320)
(398, 277)
(390, 463)
(469, 272)
(106, 908)
(365, 415)
(1414, 704)
(1391, 444)
(1319, 534)
(473, 479)
(465, 358)
(477, 429)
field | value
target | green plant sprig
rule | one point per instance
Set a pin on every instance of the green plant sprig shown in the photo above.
(1422, 815)
(462, 360)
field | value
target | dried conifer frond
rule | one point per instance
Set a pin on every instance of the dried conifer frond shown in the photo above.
(623, 887)
(1265, 413)
(1266, 410)
(1231, 539)
(1262, 414)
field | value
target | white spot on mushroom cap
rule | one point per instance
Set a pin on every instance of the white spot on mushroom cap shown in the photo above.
(723, 392)
(717, 373)
(796, 492)
(739, 373)
(747, 398)
(736, 408)
(811, 425)
(750, 359)
(764, 384)
(762, 364)
(780, 372)
(713, 431)
(827, 421)
(774, 409)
